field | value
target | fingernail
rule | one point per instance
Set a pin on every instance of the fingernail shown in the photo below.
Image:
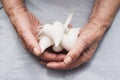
(36, 51)
(68, 60)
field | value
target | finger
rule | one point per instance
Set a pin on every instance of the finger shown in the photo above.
(31, 43)
(56, 65)
(47, 56)
(78, 48)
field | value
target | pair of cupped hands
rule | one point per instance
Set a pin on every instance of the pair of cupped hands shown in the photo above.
(26, 25)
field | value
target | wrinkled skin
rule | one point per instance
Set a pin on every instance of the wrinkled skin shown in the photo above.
(27, 30)
(92, 32)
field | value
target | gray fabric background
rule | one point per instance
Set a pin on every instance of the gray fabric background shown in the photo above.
(18, 64)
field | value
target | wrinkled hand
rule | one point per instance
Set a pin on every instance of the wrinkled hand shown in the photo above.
(26, 26)
(83, 49)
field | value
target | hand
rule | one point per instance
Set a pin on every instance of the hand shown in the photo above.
(26, 24)
(83, 49)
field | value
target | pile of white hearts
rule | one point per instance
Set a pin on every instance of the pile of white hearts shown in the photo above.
(58, 35)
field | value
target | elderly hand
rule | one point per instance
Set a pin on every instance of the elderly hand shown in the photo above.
(26, 24)
(100, 19)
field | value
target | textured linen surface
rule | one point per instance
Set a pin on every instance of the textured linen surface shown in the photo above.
(18, 64)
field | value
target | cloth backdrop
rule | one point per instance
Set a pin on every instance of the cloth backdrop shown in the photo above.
(16, 63)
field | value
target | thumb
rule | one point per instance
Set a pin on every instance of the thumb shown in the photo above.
(31, 43)
(76, 51)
